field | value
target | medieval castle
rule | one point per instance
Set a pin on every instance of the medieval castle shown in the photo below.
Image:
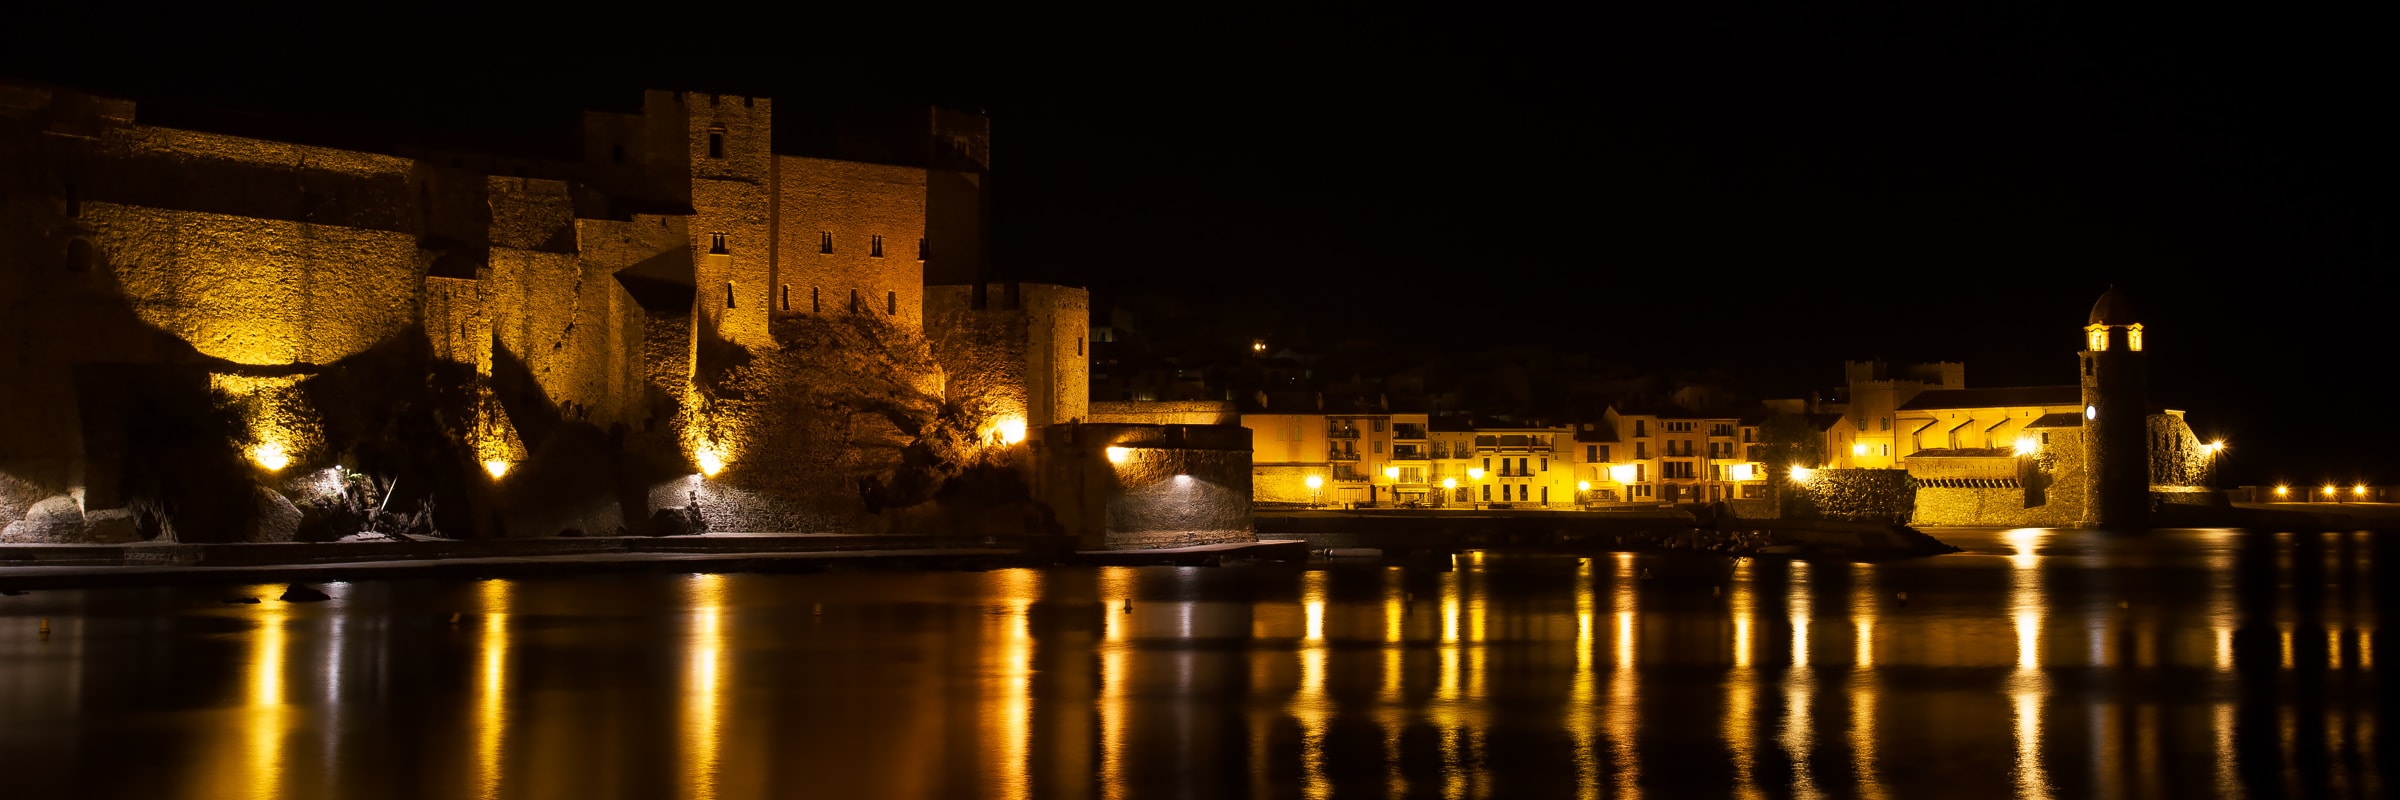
(202, 330)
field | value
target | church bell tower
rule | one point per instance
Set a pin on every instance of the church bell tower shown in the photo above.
(2116, 410)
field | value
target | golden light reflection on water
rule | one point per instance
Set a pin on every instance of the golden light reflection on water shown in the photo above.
(1582, 695)
(1009, 716)
(1741, 687)
(1623, 720)
(1799, 734)
(703, 682)
(266, 715)
(1863, 681)
(491, 689)
(2027, 686)
(1116, 653)
(1311, 707)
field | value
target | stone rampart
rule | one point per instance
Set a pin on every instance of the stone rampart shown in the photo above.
(1121, 486)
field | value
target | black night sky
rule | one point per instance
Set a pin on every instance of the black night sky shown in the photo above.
(1767, 191)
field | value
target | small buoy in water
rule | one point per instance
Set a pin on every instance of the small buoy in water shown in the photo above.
(1128, 605)
(454, 617)
(1645, 573)
(819, 610)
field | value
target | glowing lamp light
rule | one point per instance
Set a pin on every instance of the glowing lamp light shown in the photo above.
(1012, 430)
(1391, 472)
(1583, 486)
(711, 462)
(2026, 445)
(1802, 474)
(1315, 483)
(1117, 455)
(497, 467)
(1449, 483)
(2283, 491)
(271, 456)
(2329, 491)
(2091, 412)
(1743, 472)
(2360, 490)
(1474, 473)
(1183, 479)
(1258, 347)
(1858, 449)
(1621, 473)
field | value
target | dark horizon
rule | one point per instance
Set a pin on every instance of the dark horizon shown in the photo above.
(1767, 194)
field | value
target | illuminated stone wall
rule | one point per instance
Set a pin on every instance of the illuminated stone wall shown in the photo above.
(1145, 486)
(2045, 489)
(1283, 483)
(1028, 356)
(732, 194)
(1168, 412)
(854, 203)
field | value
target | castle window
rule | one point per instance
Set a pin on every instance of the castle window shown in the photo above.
(787, 297)
(815, 304)
(716, 143)
(854, 301)
(891, 303)
(716, 244)
(2099, 337)
(2133, 338)
(729, 294)
(921, 248)
(1079, 345)
(825, 241)
(875, 246)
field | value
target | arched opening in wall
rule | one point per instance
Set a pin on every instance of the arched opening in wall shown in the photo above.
(79, 255)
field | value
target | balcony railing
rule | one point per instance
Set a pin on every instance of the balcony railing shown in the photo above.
(1408, 432)
(1342, 455)
(1341, 433)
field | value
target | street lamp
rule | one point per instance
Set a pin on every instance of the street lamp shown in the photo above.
(1449, 487)
(1314, 485)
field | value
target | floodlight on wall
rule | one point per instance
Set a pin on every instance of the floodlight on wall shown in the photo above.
(1012, 429)
(710, 461)
(1802, 474)
(1392, 473)
(271, 456)
(2027, 445)
(2283, 491)
(1118, 455)
(2360, 490)
(2328, 490)
(1583, 486)
(1858, 449)
(1622, 473)
(1447, 483)
(1743, 472)
(497, 467)
(1314, 482)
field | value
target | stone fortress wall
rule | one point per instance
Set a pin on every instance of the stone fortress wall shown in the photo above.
(567, 333)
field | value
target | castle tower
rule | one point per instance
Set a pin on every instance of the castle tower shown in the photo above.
(732, 169)
(2116, 406)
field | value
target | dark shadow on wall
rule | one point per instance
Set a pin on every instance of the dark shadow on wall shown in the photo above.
(395, 412)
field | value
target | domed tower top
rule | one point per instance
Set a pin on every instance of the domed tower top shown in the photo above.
(2113, 311)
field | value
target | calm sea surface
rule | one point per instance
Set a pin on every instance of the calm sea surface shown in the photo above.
(2038, 664)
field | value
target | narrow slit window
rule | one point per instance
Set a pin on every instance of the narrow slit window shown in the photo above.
(921, 248)
(891, 303)
(716, 244)
(816, 304)
(787, 297)
(729, 294)
(854, 301)
(825, 241)
(875, 246)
